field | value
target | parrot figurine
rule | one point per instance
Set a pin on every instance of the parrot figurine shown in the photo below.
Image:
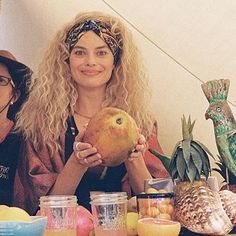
(216, 92)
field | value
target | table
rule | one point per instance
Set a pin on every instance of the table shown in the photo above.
(185, 232)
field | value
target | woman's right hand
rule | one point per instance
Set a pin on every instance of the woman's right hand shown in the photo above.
(85, 153)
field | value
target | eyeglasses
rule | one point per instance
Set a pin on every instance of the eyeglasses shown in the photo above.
(4, 81)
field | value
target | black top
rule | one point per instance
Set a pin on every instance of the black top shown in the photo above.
(91, 181)
(9, 154)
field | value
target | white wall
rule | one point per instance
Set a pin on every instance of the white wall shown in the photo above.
(200, 35)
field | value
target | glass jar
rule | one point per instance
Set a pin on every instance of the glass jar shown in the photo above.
(61, 211)
(156, 205)
(109, 211)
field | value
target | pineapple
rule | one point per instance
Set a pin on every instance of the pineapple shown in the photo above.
(197, 207)
(228, 200)
(189, 161)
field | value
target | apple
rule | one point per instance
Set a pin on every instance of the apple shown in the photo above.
(84, 222)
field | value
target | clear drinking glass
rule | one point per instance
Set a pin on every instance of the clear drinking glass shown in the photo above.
(109, 211)
(62, 214)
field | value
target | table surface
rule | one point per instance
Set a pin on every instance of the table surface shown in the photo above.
(185, 232)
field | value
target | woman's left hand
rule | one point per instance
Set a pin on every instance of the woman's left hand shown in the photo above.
(139, 148)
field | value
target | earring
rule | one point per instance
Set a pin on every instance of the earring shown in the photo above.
(11, 102)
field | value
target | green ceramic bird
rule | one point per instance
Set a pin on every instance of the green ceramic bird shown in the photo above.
(216, 92)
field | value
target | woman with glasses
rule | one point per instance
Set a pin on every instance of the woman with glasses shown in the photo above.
(13, 92)
(91, 63)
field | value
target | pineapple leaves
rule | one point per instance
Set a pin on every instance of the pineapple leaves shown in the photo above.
(174, 173)
(196, 161)
(165, 160)
(189, 160)
(192, 171)
(187, 128)
(186, 151)
(172, 167)
(205, 149)
(178, 144)
(221, 169)
(180, 164)
(201, 154)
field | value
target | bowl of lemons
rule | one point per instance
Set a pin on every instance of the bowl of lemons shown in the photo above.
(15, 221)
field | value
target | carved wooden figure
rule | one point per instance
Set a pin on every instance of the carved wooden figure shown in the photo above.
(216, 92)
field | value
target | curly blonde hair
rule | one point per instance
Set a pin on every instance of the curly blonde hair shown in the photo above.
(53, 94)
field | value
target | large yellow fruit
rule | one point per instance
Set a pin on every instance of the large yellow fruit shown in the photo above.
(114, 133)
(2, 207)
(151, 226)
(14, 214)
(131, 222)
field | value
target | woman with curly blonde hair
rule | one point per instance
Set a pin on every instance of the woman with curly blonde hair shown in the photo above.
(91, 63)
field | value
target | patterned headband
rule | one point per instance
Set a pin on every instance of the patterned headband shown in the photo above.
(99, 28)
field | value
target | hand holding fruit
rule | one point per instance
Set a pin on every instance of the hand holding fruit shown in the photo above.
(85, 153)
(139, 148)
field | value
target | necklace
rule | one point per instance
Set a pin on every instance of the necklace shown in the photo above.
(84, 116)
(104, 172)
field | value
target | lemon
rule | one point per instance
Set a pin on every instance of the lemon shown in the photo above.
(131, 222)
(132, 204)
(14, 214)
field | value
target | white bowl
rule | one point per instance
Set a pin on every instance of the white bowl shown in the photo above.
(21, 228)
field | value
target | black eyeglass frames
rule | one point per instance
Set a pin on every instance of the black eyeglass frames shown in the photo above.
(4, 81)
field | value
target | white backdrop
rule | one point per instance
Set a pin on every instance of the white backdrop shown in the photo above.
(199, 34)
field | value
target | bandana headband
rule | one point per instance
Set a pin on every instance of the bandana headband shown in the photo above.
(99, 28)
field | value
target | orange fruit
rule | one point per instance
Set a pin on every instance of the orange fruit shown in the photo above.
(153, 212)
(151, 190)
(164, 216)
(170, 209)
(164, 208)
(143, 203)
(167, 200)
(151, 226)
(142, 211)
(161, 190)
